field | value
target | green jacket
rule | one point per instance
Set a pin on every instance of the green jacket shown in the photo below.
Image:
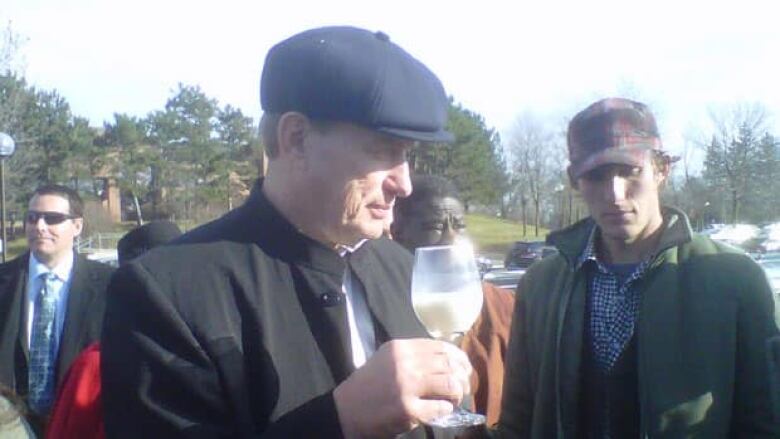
(705, 332)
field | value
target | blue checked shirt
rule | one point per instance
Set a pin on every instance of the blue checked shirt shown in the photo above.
(614, 307)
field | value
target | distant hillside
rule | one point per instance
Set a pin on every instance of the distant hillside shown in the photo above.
(495, 235)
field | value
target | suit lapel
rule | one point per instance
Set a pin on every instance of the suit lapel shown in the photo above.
(80, 295)
(20, 291)
(322, 301)
(391, 310)
(13, 324)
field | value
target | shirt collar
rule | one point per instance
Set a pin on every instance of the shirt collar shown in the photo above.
(343, 249)
(62, 270)
(589, 253)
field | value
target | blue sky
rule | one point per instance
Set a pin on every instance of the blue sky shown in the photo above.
(497, 58)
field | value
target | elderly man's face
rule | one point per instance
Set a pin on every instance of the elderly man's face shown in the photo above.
(435, 221)
(354, 176)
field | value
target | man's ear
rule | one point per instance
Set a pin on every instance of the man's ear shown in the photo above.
(291, 132)
(78, 223)
(662, 174)
(572, 180)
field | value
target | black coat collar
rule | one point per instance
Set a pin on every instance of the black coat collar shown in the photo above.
(260, 222)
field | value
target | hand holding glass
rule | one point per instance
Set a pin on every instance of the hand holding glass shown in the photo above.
(447, 298)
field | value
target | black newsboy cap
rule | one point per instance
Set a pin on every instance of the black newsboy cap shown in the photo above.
(137, 241)
(353, 75)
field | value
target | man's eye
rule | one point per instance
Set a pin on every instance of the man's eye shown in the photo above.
(629, 172)
(596, 175)
(434, 226)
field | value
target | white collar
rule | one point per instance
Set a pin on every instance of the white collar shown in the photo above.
(343, 249)
(61, 270)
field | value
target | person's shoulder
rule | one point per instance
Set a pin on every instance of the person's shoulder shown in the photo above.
(231, 226)
(498, 301)
(553, 265)
(702, 249)
(95, 267)
(387, 246)
(386, 255)
(537, 283)
(15, 264)
(729, 268)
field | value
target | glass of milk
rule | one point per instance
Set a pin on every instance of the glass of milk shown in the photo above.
(447, 298)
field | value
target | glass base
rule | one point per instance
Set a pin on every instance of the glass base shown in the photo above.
(457, 419)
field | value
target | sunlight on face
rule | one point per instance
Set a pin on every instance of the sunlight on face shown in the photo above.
(354, 176)
(623, 200)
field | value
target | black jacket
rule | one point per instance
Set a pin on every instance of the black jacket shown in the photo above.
(83, 317)
(239, 329)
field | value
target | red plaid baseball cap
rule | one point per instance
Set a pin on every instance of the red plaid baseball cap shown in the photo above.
(611, 131)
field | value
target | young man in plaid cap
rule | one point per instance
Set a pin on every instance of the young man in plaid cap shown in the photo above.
(638, 327)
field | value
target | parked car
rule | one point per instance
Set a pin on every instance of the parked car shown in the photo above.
(106, 256)
(772, 268)
(524, 253)
(504, 278)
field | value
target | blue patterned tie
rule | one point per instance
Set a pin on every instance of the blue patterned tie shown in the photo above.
(42, 345)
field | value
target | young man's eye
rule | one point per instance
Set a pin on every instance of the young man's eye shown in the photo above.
(630, 172)
(597, 175)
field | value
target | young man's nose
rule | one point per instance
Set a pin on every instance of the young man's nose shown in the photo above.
(616, 188)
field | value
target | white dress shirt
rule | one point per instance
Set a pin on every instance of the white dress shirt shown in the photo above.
(361, 325)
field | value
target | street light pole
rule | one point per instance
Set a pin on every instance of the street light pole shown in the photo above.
(7, 148)
(2, 204)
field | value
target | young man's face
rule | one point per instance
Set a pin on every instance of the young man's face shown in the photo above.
(435, 221)
(51, 242)
(624, 200)
(354, 176)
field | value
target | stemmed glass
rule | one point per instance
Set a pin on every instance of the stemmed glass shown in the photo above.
(447, 298)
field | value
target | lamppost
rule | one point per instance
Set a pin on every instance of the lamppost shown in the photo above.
(7, 148)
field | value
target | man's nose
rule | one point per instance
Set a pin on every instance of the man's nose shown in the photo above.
(448, 234)
(616, 190)
(399, 181)
(40, 223)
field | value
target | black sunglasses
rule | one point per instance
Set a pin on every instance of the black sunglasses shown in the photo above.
(50, 218)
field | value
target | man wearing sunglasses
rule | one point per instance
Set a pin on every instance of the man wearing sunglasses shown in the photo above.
(51, 299)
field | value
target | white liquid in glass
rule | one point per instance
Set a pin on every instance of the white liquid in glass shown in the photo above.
(447, 313)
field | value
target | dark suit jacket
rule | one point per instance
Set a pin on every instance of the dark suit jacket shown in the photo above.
(239, 329)
(83, 317)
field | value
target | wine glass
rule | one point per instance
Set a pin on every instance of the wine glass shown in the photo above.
(447, 298)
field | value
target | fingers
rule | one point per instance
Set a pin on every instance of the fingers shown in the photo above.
(460, 365)
(441, 386)
(441, 370)
(429, 409)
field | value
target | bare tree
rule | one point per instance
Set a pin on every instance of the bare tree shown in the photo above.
(535, 160)
(11, 58)
(734, 151)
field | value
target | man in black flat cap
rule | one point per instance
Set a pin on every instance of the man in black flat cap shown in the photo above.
(290, 316)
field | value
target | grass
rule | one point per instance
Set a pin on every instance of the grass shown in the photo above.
(16, 247)
(496, 235)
